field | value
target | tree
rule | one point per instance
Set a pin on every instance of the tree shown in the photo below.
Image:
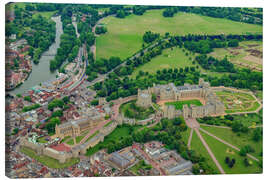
(50, 126)
(233, 43)
(100, 30)
(120, 14)
(154, 98)
(94, 102)
(149, 36)
(257, 134)
(227, 160)
(27, 98)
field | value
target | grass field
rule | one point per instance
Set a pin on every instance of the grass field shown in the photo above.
(239, 141)
(179, 104)
(118, 134)
(175, 58)
(237, 102)
(47, 14)
(221, 150)
(198, 147)
(48, 161)
(70, 142)
(185, 135)
(241, 56)
(124, 36)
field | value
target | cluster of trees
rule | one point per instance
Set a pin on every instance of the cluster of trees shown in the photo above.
(38, 31)
(213, 64)
(56, 103)
(233, 43)
(136, 112)
(56, 115)
(206, 46)
(46, 6)
(27, 98)
(238, 126)
(69, 45)
(229, 162)
(50, 126)
(94, 102)
(31, 107)
(139, 10)
(105, 65)
(257, 134)
(232, 13)
(149, 36)
(244, 78)
(169, 12)
(100, 30)
(246, 149)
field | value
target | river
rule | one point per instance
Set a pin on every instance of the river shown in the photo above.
(41, 72)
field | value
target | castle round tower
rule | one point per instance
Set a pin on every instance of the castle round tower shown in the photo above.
(144, 99)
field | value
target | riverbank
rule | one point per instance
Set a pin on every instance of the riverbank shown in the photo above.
(41, 72)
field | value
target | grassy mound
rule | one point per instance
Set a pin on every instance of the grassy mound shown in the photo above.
(131, 110)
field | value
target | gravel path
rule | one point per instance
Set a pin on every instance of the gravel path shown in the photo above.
(228, 144)
(209, 151)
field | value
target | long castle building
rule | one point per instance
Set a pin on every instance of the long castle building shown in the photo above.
(212, 105)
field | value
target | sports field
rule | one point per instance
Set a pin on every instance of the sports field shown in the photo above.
(124, 36)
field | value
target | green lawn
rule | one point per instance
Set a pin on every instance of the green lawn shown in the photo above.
(116, 135)
(65, 138)
(140, 165)
(199, 148)
(79, 138)
(46, 14)
(124, 36)
(179, 104)
(237, 139)
(221, 151)
(185, 135)
(70, 142)
(48, 161)
(42, 140)
(175, 58)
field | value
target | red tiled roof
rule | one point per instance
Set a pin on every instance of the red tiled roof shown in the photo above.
(61, 147)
